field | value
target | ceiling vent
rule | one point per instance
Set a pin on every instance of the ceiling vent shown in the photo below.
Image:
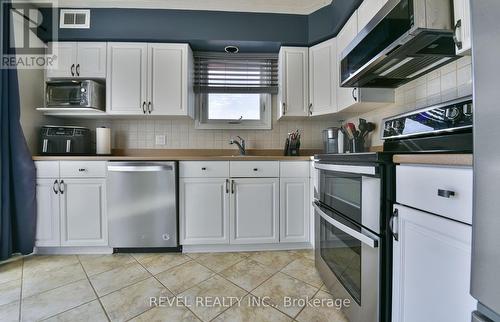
(74, 18)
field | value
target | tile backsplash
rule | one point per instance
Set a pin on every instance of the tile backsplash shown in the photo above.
(449, 82)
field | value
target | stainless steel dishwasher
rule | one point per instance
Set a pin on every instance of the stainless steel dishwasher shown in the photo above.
(142, 204)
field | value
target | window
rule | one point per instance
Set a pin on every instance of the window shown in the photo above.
(234, 91)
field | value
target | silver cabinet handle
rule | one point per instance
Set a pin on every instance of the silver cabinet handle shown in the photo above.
(458, 25)
(446, 193)
(150, 107)
(62, 187)
(144, 107)
(395, 215)
(56, 190)
(78, 70)
(227, 185)
(354, 94)
(232, 186)
(365, 239)
(73, 70)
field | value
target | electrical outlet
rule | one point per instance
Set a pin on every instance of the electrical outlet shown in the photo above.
(160, 140)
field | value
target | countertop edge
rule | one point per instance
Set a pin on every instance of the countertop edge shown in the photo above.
(171, 158)
(434, 159)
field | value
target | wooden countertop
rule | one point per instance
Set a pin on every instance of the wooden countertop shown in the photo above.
(184, 155)
(435, 159)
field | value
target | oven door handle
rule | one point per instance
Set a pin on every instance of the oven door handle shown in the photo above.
(346, 168)
(365, 239)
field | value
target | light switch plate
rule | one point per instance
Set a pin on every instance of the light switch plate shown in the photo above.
(160, 140)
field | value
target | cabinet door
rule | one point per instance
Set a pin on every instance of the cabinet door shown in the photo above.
(254, 211)
(462, 26)
(204, 211)
(47, 221)
(126, 78)
(83, 212)
(91, 60)
(345, 97)
(322, 78)
(65, 63)
(294, 210)
(168, 79)
(293, 81)
(431, 264)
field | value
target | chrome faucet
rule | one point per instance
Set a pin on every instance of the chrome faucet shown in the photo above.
(240, 144)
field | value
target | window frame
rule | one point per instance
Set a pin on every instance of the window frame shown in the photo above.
(265, 122)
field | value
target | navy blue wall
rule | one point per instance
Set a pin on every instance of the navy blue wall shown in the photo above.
(211, 30)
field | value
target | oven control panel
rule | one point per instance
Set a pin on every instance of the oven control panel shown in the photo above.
(447, 117)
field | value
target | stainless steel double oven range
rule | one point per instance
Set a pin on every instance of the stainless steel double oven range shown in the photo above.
(351, 200)
(354, 195)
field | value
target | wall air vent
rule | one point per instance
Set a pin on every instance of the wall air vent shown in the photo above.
(74, 18)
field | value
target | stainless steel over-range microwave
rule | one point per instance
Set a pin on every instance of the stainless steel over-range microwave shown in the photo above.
(75, 94)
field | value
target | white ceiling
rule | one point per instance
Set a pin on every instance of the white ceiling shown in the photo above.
(273, 6)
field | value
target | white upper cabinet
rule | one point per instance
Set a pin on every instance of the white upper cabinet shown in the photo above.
(168, 80)
(462, 28)
(78, 60)
(91, 60)
(322, 78)
(293, 97)
(149, 79)
(126, 82)
(353, 99)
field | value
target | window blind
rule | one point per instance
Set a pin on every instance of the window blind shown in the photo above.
(235, 73)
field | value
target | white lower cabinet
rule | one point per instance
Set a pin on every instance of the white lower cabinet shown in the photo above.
(204, 209)
(70, 211)
(294, 209)
(48, 213)
(83, 213)
(254, 211)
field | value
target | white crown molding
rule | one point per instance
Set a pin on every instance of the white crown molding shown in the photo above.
(302, 7)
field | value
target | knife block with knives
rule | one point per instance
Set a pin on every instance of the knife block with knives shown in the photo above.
(292, 144)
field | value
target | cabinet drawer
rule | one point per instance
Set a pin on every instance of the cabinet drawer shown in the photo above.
(204, 169)
(294, 169)
(83, 169)
(269, 169)
(446, 191)
(47, 169)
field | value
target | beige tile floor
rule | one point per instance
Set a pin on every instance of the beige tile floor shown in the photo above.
(119, 287)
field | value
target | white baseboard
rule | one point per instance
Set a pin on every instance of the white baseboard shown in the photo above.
(73, 250)
(243, 248)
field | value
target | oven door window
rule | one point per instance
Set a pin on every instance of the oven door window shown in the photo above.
(341, 192)
(342, 253)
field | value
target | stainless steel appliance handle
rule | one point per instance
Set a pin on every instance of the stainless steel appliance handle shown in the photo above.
(139, 168)
(367, 240)
(345, 168)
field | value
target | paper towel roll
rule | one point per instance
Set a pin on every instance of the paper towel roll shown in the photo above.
(103, 140)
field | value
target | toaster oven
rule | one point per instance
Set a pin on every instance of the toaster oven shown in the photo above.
(75, 94)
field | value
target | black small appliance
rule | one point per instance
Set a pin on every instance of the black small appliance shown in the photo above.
(64, 140)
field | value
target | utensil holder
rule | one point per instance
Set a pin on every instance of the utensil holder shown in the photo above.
(357, 145)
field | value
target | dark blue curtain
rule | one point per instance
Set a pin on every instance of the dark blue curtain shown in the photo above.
(17, 170)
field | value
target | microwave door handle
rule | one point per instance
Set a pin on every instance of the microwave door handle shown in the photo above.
(365, 239)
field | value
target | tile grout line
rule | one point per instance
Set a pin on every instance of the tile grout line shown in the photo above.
(97, 296)
(303, 308)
